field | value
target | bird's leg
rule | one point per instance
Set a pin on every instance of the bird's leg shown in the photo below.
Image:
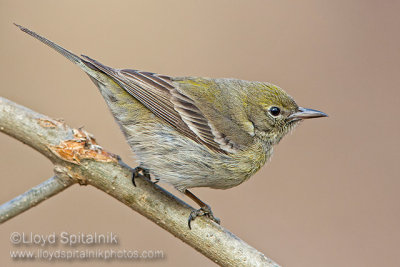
(145, 173)
(204, 210)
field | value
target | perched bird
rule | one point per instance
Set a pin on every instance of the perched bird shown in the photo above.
(191, 131)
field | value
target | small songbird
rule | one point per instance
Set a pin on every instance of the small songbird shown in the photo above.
(190, 131)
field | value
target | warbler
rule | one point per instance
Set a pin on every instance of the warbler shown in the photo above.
(190, 131)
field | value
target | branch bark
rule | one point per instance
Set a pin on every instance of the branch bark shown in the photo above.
(34, 196)
(79, 159)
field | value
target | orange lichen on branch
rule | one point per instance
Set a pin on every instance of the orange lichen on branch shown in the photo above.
(83, 146)
(48, 123)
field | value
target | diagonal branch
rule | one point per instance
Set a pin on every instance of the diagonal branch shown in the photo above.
(34, 196)
(78, 158)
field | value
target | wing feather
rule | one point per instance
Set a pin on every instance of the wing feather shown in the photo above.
(159, 95)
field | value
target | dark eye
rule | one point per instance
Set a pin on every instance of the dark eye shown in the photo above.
(275, 111)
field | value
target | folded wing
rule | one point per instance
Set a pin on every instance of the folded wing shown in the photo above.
(157, 93)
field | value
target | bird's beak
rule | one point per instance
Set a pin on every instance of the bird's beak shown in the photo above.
(306, 113)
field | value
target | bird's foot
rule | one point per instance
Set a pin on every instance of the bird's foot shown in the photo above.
(145, 173)
(203, 211)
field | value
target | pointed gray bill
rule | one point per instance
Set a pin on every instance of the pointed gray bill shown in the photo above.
(306, 113)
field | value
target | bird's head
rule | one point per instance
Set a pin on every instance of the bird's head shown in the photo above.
(274, 113)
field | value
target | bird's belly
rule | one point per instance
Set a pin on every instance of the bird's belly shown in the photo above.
(183, 163)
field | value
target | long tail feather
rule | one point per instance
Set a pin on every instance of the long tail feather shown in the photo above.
(72, 57)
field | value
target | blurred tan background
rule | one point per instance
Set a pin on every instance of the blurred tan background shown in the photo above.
(330, 195)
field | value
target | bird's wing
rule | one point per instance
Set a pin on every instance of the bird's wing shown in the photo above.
(157, 93)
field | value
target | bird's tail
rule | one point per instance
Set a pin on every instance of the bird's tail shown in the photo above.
(84, 65)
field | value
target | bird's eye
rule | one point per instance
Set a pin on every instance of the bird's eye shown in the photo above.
(275, 111)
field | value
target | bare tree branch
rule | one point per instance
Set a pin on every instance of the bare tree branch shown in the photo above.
(76, 155)
(34, 196)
